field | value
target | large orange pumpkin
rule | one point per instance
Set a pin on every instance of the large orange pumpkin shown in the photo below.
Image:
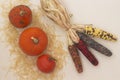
(20, 16)
(33, 41)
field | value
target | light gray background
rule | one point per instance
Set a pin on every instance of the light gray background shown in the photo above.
(104, 14)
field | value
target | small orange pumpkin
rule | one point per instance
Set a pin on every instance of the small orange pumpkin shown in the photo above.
(20, 16)
(33, 41)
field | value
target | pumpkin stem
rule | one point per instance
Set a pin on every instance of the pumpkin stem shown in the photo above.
(35, 40)
(22, 12)
(51, 58)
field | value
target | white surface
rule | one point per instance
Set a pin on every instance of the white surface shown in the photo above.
(104, 14)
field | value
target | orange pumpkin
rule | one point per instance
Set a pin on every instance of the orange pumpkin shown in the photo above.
(20, 16)
(46, 63)
(33, 41)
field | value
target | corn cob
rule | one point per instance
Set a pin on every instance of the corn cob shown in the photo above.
(83, 48)
(93, 44)
(76, 57)
(95, 32)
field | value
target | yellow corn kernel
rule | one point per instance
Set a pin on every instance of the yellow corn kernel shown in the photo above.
(95, 32)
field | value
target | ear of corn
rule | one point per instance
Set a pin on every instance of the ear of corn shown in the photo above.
(95, 32)
(85, 51)
(76, 58)
(93, 44)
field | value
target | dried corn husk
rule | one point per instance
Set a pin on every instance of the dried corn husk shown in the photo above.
(57, 13)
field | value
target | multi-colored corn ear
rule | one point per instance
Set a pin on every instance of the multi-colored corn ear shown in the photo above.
(93, 44)
(75, 57)
(95, 32)
(83, 48)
